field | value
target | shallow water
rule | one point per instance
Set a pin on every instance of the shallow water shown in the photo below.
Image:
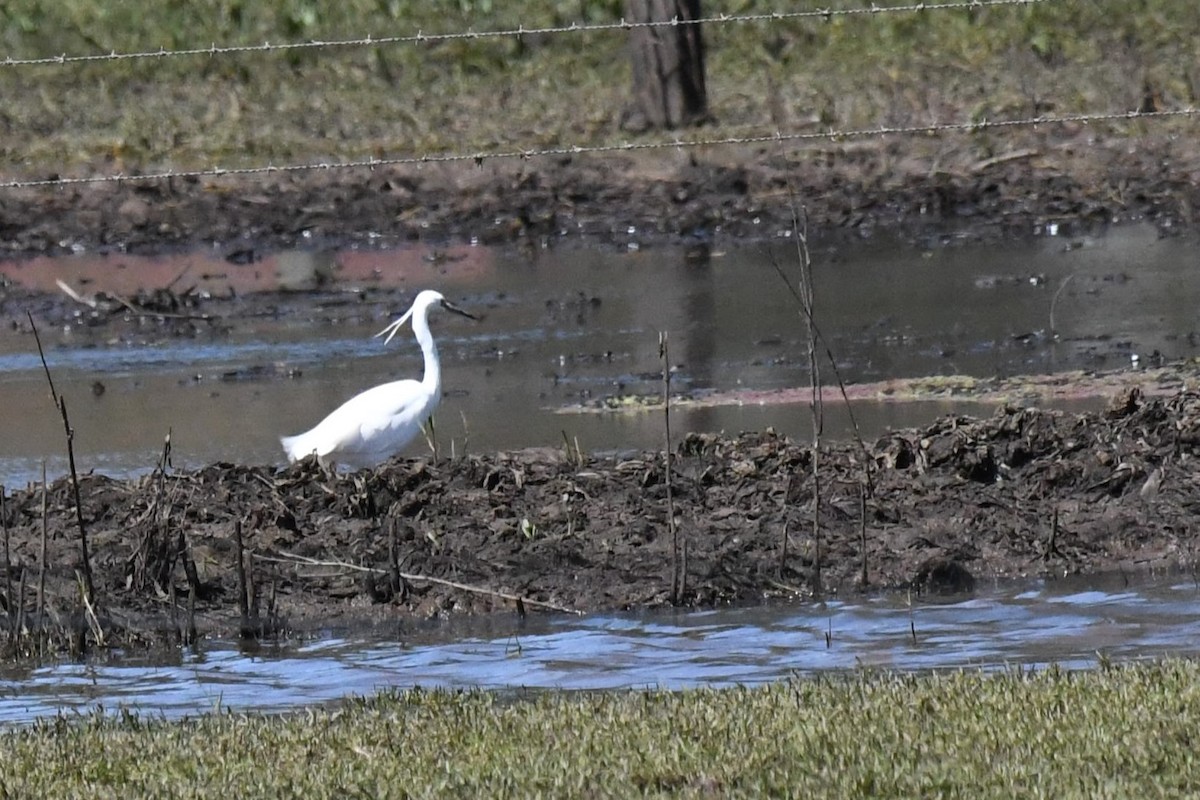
(1072, 623)
(567, 325)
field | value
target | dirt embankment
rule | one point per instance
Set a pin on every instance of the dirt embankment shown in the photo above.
(1072, 176)
(1023, 492)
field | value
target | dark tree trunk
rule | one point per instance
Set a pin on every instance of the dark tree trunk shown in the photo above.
(668, 66)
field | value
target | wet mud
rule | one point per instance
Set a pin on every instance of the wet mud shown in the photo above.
(1073, 177)
(1024, 492)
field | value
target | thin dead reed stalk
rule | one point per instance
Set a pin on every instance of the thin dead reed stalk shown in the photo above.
(60, 402)
(862, 530)
(678, 560)
(193, 579)
(192, 635)
(802, 246)
(803, 292)
(466, 445)
(243, 589)
(1054, 304)
(396, 582)
(8, 593)
(783, 548)
(19, 625)
(574, 453)
(41, 592)
(429, 431)
(806, 295)
(90, 615)
(153, 561)
(176, 627)
(912, 617)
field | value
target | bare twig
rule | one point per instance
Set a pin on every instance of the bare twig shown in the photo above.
(90, 612)
(394, 579)
(783, 549)
(814, 329)
(1054, 304)
(184, 549)
(429, 430)
(192, 635)
(153, 551)
(41, 594)
(807, 298)
(242, 597)
(84, 557)
(178, 275)
(292, 558)
(678, 578)
(466, 434)
(912, 618)
(45, 366)
(8, 593)
(862, 530)
(19, 626)
(1052, 542)
(1015, 155)
(61, 403)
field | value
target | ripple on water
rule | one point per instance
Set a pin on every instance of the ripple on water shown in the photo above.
(1071, 623)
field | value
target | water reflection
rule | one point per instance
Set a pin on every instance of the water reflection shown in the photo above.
(1070, 622)
(568, 326)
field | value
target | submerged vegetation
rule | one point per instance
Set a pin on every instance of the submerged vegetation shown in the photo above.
(1115, 732)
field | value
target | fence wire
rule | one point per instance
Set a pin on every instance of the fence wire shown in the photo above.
(480, 158)
(432, 38)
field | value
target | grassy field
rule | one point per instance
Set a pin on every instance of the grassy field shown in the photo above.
(535, 91)
(1115, 732)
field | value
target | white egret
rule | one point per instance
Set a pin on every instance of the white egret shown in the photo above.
(372, 426)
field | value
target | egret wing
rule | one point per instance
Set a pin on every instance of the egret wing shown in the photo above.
(372, 425)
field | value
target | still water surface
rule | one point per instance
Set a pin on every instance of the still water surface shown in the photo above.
(565, 326)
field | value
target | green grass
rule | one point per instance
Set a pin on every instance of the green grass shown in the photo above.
(473, 96)
(1123, 732)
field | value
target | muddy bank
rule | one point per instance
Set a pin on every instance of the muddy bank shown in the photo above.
(1025, 492)
(1071, 176)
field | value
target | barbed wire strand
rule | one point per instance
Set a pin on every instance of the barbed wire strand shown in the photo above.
(479, 158)
(432, 38)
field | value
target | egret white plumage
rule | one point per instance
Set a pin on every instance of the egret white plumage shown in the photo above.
(372, 426)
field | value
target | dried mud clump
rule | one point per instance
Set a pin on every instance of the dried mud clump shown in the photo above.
(1022, 492)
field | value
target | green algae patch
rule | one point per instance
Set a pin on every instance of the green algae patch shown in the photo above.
(1070, 386)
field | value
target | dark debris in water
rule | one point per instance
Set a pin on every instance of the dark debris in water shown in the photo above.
(1023, 492)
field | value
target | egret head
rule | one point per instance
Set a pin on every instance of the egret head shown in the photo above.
(425, 301)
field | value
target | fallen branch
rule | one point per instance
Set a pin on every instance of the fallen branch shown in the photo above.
(292, 558)
(93, 303)
(90, 302)
(1015, 155)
